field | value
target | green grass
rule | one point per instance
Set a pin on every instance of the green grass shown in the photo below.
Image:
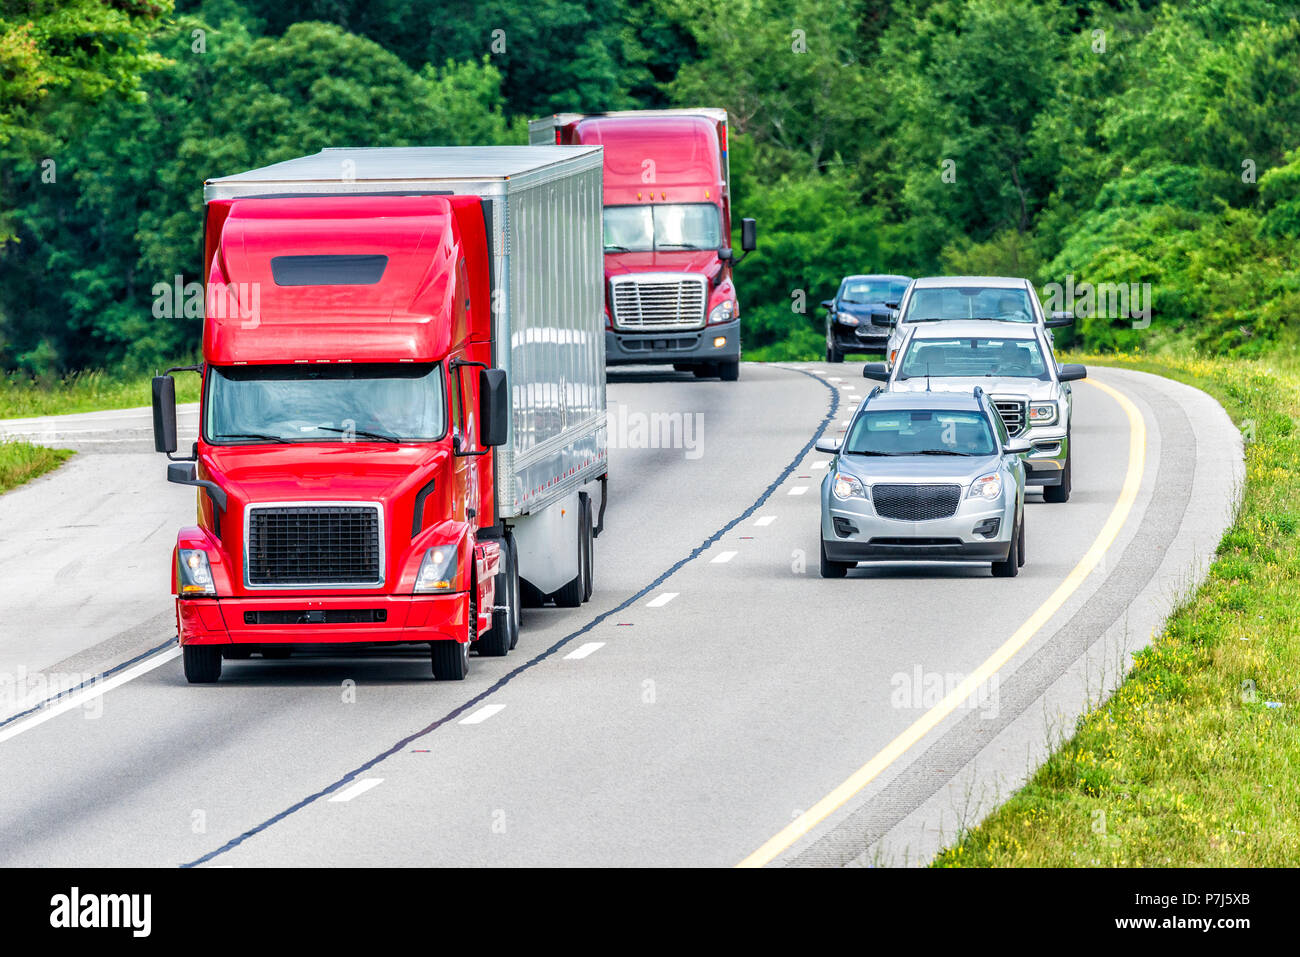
(21, 462)
(1187, 764)
(84, 392)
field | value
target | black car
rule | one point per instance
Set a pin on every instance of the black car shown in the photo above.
(859, 317)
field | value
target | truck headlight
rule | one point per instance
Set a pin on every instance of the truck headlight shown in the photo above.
(846, 487)
(986, 486)
(437, 570)
(194, 574)
(1042, 413)
(724, 311)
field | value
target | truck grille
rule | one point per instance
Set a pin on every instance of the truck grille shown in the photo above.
(298, 545)
(1013, 414)
(658, 301)
(916, 503)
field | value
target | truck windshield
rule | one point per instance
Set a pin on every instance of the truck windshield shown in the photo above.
(338, 402)
(970, 356)
(920, 432)
(667, 227)
(969, 302)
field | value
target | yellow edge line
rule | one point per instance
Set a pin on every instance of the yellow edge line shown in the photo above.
(898, 747)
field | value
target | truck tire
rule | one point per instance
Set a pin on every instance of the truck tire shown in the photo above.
(830, 569)
(729, 371)
(451, 657)
(1010, 567)
(570, 595)
(504, 633)
(202, 663)
(1057, 494)
(589, 546)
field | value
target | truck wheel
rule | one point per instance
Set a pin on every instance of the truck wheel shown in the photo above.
(1057, 494)
(1010, 567)
(589, 546)
(505, 617)
(830, 569)
(202, 663)
(517, 598)
(570, 596)
(729, 371)
(451, 657)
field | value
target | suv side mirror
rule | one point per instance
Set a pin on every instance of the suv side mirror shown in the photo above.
(828, 303)
(1070, 372)
(876, 370)
(829, 446)
(164, 414)
(748, 235)
(1059, 318)
(892, 304)
(1017, 447)
(493, 407)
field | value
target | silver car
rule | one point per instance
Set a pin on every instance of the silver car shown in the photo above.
(997, 298)
(1014, 364)
(924, 477)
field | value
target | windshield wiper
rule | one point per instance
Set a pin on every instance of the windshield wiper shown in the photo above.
(370, 435)
(941, 452)
(249, 435)
(677, 246)
(616, 248)
(854, 452)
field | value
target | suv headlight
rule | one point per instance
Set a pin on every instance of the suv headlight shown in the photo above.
(846, 487)
(986, 486)
(194, 574)
(1042, 413)
(437, 570)
(846, 319)
(724, 311)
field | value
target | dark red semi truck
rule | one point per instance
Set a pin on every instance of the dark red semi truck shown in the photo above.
(669, 291)
(403, 403)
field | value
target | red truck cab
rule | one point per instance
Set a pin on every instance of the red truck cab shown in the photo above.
(670, 295)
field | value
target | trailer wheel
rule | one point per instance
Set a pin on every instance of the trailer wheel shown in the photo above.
(589, 546)
(729, 371)
(451, 657)
(202, 663)
(505, 617)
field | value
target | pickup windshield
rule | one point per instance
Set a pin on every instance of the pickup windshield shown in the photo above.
(974, 356)
(969, 302)
(338, 402)
(663, 228)
(920, 432)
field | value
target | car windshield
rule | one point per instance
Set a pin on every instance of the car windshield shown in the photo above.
(973, 356)
(338, 402)
(921, 432)
(646, 228)
(969, 302)
(873, 290)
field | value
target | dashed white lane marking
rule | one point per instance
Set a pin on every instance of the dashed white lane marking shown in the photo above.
(798, 490)
(482, 714)
(722, 557)
(821, 465)
(361, 787)
(582, 652)
(765, 521)
(95, 690)
(835, 378)
(661, 600)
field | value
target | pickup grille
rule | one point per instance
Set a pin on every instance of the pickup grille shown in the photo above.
(916, 503)
(642, 302)
(297, 545)
(1013, 414)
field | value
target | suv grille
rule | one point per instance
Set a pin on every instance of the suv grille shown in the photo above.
(659, 302)
(916, 503)
(313, 545)
(1013, 414)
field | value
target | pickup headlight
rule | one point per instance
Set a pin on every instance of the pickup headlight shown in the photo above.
(986, 486)
(194, 574)
(846, 487)
(724, 311)
(1042, 413)
(437, 570)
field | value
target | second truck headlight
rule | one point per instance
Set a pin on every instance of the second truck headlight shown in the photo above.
(437, 570)
(1042, 413)
(194, 574)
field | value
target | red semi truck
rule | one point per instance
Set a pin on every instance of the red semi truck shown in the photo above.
(669, 292)
(403, 403)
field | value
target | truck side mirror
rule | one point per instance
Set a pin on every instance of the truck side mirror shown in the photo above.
(164, 414)
(1060, 318)
(748, 235)
(726, 254)
(493, 407)
(1071, 372)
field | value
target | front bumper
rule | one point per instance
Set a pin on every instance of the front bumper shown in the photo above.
(861, 535)
(865, 337)
(687, 346)
(1045, 463)
(314, 621)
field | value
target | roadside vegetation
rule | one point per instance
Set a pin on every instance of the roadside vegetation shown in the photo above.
(21, 462)
(1192, 762)
(22, 397)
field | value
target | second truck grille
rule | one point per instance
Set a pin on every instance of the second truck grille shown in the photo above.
(668, 302)
(916, 503)
(314, 545)
(1013, 414)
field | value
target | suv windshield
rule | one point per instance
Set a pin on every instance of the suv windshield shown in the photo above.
(969, 302)
(646, 228)
(972, 356)
(921, 432)
(873, 290)
(339, 402)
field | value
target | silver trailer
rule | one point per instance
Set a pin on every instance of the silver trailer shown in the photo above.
(543, 209)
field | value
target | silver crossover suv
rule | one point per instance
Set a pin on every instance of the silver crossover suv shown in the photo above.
(924, 477)
(1013, 363)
